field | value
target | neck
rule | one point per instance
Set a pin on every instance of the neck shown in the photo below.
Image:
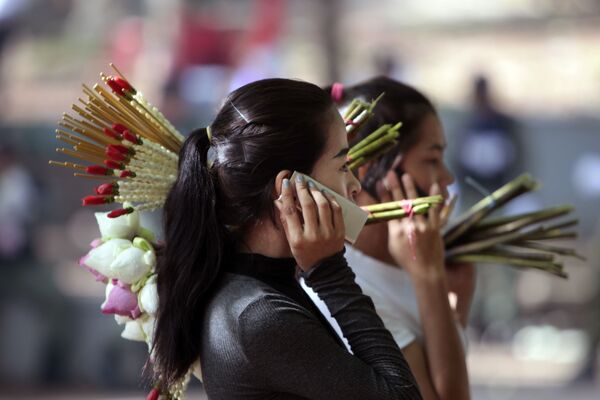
(264, 238)
(373, 239)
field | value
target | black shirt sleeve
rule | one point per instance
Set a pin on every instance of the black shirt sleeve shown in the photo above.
(290, 351)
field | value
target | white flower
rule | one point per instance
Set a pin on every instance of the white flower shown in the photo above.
(148, 296)
(120, 259)
(121, 320)
(133, 331)
(101, 257)
(131, 265)
(123, 227)
(148, 327)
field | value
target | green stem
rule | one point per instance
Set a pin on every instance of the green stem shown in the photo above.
(550, 267)
(522, 184)
(393, 205)
(396, 214)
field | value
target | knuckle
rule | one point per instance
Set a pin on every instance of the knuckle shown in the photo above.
(323, 206)
(289, 210)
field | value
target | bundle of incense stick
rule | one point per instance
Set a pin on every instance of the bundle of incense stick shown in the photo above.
(516, 240)
(373, 146)
(400, 209)
(124, 142)
(357, 114)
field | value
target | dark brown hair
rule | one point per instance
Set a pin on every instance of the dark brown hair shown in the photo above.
(262, 128)
(401, 103)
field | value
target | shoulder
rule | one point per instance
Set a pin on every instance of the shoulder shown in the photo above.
(245, 302)
(251, 317)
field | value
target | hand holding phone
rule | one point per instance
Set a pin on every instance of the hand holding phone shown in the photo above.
(318, 230)
(354, 216)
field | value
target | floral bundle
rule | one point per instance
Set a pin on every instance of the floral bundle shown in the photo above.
(517, 240)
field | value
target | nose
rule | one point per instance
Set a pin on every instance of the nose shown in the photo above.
(447, 176)
(354, 186)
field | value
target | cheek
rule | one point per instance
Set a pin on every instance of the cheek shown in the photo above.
(332, 179)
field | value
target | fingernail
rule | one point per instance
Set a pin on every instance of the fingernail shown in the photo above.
(299, 178)
(286, 183)
(311, 185)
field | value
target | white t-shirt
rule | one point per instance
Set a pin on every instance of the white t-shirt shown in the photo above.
(392, 293)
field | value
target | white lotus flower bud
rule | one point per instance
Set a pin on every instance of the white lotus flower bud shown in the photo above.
(148, 296)
(133, 331)
(148, 324)
(130, 265)
(122, 320)
(123, 227)
(102, 257)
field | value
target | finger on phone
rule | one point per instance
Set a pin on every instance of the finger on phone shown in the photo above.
(394, 185)
(307, 203)
(289, 214)
(411, 193)
(382, 192)
(409, 186)
(337, 216)
(324, 211)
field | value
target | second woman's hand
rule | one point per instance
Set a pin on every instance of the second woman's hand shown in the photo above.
(317, 231)
(414, 242)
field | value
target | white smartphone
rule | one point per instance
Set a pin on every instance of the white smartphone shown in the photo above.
(354, 216)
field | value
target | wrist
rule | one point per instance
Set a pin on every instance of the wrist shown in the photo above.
(429, 276)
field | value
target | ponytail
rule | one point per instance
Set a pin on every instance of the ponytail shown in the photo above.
(224, 185)
(191, 262)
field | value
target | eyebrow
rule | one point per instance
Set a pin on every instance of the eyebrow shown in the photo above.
(438, 147)
(342, 152)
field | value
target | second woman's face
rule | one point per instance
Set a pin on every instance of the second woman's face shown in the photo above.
(331, 169)
(424, 162)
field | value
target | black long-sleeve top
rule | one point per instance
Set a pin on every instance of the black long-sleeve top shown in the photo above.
(263, 338)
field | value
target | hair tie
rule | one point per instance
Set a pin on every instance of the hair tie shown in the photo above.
(209, 133)
(211, 153)
(337, 92)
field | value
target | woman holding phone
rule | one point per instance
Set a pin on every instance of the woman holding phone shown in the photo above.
(408, 279)
(235, 242)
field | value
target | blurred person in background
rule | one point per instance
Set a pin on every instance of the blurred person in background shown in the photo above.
(17, 208)
(411, 290)
(490, 152)
(489, 155)
(213, 56)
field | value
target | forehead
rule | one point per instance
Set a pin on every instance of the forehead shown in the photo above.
(337, 138)
(431, 133)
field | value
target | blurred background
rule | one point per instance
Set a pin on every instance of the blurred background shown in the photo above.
(532, 336)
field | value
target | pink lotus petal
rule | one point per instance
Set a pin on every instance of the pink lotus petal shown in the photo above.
(120, 301)
(96, 242)
(136, 313)
(121, 284)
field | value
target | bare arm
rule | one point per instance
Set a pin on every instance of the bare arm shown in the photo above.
(416, 244)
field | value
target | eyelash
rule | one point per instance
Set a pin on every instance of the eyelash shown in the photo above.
(345, 167)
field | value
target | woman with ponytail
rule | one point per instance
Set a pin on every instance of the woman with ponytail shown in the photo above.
(410, 284)
(236, 240)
